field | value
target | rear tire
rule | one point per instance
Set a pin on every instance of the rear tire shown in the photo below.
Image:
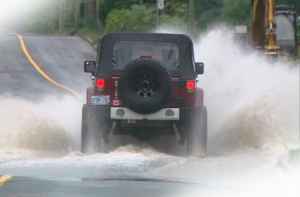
(94, 129)
(145, 86)
(197, 134)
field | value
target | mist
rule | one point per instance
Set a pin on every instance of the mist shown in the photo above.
(22, 14)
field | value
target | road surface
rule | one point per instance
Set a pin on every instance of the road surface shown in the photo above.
(61, 57)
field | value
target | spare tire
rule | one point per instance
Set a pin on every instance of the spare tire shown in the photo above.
(145, 86)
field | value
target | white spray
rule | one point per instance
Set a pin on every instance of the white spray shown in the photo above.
(47, 127)
(252, 102)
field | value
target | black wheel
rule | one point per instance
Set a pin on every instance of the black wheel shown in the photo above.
(93, 130)
(145, 86)
(197, 134)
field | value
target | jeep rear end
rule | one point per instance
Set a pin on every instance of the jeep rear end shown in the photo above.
(144, 83)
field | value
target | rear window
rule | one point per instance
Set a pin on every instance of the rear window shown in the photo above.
(126, 51)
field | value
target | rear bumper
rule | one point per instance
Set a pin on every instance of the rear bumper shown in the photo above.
(183, 115)
(138, 123)
(166, 114)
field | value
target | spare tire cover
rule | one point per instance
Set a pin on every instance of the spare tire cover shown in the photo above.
(145, 86)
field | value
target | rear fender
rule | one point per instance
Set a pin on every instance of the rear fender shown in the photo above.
(89, 93)
(199, 100)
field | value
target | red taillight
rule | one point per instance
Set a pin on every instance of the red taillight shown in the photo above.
(191, 85)
(100, 84)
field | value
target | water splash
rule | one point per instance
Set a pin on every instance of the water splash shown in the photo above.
(252, 102)
(50, 126)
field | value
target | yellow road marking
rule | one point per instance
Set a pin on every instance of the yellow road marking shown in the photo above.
(39, 69)
(4, 180)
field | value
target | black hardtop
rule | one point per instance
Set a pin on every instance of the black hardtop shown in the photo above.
(185, 44)
(163, 37)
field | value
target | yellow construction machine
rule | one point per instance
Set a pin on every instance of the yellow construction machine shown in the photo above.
(263, 28)
(273, 28)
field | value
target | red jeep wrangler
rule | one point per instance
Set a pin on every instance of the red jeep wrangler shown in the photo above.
(144, 85)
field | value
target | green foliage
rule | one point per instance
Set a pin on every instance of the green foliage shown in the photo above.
(237, 11)
(138, 18)
(109, 5)
(174, 21)
(207, 12)
(88, 22)
(140, 15)
(176, 8)
(175, 14)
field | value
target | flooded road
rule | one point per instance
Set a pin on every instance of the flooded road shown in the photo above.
(253, 116)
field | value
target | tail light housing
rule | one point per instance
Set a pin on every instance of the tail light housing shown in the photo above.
(191, 86)
(100, 84)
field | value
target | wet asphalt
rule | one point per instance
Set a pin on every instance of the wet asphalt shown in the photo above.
(60, 56)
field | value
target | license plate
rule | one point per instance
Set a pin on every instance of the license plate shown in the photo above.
(100, 100)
